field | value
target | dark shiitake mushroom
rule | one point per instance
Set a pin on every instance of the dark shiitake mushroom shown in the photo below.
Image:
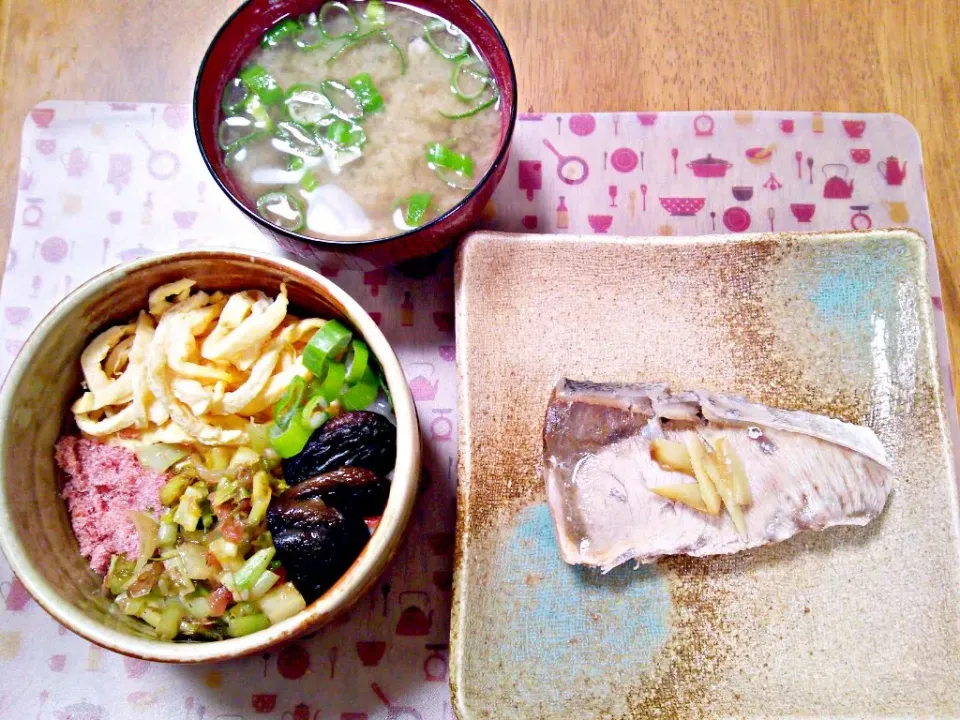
(349, 489)
(359, 439)
(316, 543)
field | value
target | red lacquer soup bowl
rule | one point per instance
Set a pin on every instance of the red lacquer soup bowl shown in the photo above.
(241, 34)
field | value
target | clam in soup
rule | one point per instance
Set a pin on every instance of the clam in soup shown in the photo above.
(361, 120)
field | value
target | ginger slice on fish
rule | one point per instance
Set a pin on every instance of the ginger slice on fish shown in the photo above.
(721, 481)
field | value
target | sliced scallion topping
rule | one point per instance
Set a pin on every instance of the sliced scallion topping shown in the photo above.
(446, 40)
(416, 208)
(362, 38)
(346, 134)
(440, 156)
(236, 131)
(326, 344)
(333, 383)
(357, 359)
(343, 98)
(367, 94)
(327, 18)
(469, 71)
(376, 13)
(261, 83)
(256, 109)
(294, 162)
(282, 209)
(296, 139)
(306, 104)
(279, 32)
(474, 110)
(234, 96)
(309, 37)
(364, 392)
(309, 182)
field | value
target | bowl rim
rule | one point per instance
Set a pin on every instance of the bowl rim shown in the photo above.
(343, 245)
(361, 575)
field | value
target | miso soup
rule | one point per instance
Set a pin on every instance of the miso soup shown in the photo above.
(360, 120)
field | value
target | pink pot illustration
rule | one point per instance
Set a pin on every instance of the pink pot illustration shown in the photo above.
(42, 117)
(421, 387)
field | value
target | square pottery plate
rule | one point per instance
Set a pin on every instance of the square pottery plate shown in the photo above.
(852, 622)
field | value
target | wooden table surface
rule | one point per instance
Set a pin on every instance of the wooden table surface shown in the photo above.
(856, 56)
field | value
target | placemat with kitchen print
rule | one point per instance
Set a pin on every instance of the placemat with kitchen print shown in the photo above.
(101, 183)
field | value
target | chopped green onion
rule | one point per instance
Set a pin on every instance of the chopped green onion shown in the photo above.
(341, 96)
(256, 108)
(240, 626)
(473, 111)
(173, 489)
(119, 574)
(167, 534)
(333, 382)
(357, 359)
(462, 67)
(290, 440)
(282, 209)
(326, 344)
(309, 182)
(370, 98)
(345, 134)
(253, 568)
(289, 404)
(263, 584)
(324, 14)
(463, 45)
(294, 162)
(417, 206)
(376, 13)
(234, 96)
(283, 602)
(262, 84)
(362, 38)
(382, 380)
(283, 29)
(440, 156)
(315, 385)
(361, 395)
(260, 497)
(170, 618)
(235, 132)
(310, 416)
(309, 37)
(297, 139)
(306, 104)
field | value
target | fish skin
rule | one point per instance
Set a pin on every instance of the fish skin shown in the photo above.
(806, 472)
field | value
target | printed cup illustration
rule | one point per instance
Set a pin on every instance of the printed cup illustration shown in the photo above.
(264, 703)
(786, 125)
(855, 128)
(176, 116)
(425, 384)
(16, 315)
(15, 595)
(46, 146)
(448, 353)
(860, 155)
(803, 212)
(897, 210)
(42, 117)
(893, 170)
(530, 222)
(743, 192)
(600, 223)
(57, 663)
(371, 652)
(647, 119)
(184, 219)
(301, 712)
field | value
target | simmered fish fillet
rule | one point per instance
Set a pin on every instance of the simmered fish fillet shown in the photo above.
(805, 472)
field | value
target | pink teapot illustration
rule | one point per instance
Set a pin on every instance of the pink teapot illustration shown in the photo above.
(76, 162)
(836, 187)
(421, 387)
(894, 171)
(414, 621)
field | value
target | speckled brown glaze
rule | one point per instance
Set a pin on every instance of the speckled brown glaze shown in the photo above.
(854, 622)
(34, 528)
